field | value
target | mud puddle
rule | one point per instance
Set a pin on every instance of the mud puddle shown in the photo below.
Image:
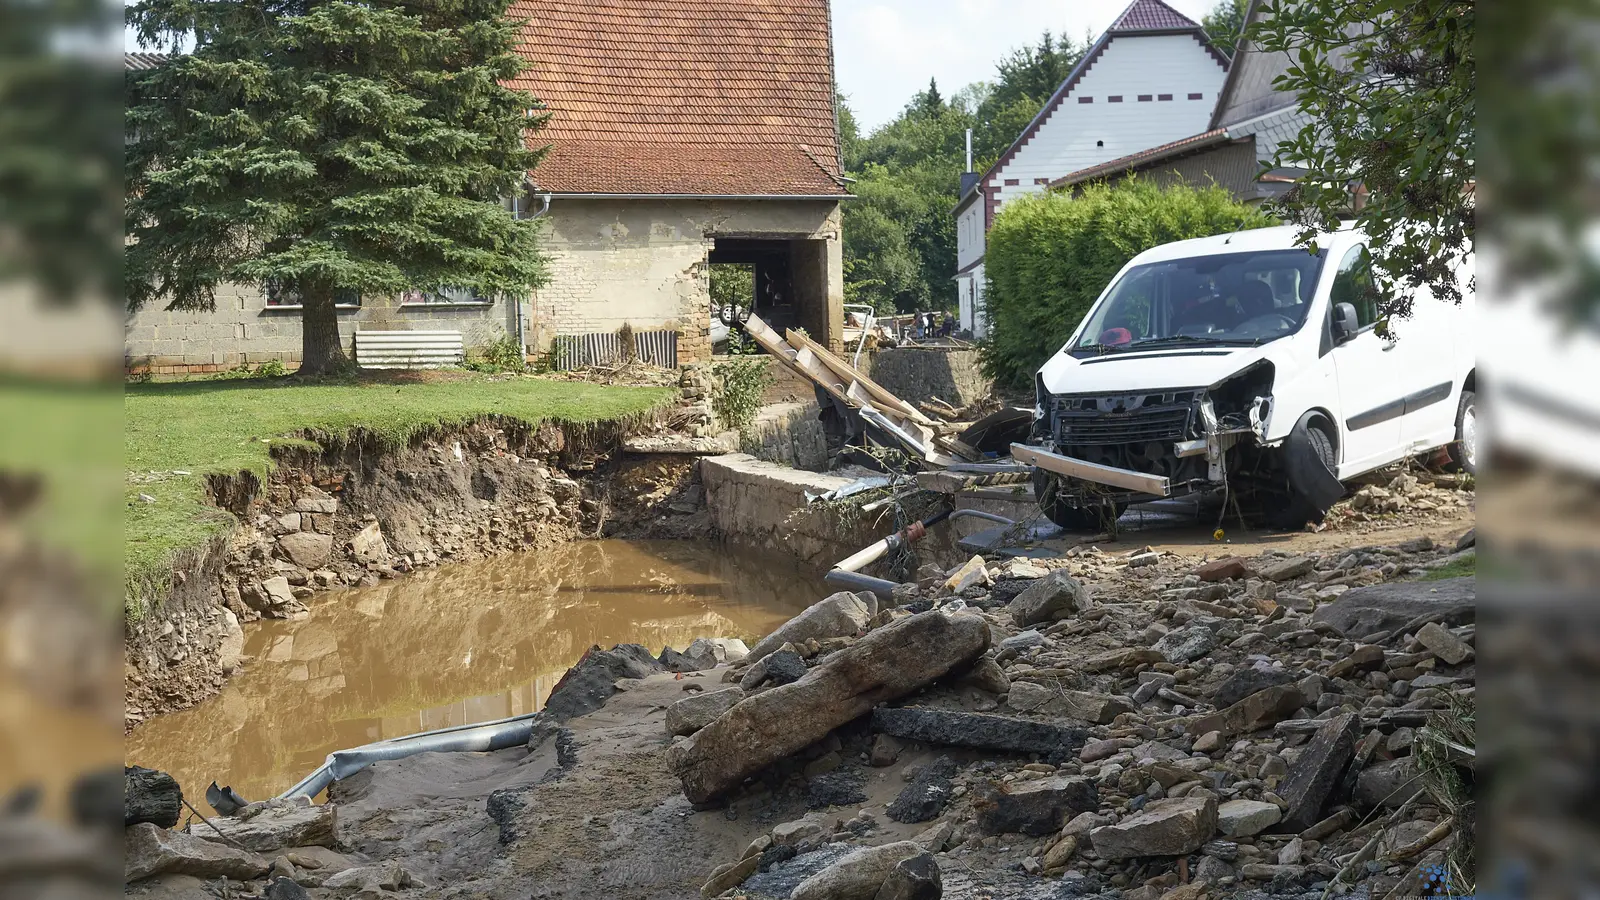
(456, 645)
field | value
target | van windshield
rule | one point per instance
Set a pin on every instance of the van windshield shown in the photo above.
(1230, 298)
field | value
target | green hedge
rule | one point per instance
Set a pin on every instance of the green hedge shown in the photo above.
(1050, 256)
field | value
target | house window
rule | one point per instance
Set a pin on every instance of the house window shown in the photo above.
(1041, 181)
(445, 297)
(1145, 98)
(280, 296)
(1163, 96)
(1196, 96)
(1114, 98)
(1012, 182)
(1085, 99)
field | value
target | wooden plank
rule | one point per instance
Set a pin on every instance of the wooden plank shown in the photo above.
(848, 373)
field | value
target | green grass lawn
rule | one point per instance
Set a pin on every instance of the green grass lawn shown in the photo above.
(226, 427)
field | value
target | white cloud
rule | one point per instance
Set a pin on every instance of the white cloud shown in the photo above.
(886, 50)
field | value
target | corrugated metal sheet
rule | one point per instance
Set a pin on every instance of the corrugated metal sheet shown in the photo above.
(574, 351)
(408, 349)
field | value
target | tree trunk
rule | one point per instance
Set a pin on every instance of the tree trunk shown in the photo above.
(320, 351)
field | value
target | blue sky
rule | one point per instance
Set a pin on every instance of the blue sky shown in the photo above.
(886, 50)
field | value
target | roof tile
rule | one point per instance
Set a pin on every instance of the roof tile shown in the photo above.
(1151, 15)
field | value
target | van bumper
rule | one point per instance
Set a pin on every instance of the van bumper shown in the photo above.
(1127, 479)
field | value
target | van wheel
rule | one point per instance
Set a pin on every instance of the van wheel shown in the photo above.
(1046, 487)
(1464, 452)
(1296, 511)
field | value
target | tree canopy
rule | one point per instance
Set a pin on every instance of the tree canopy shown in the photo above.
(1225, 23)
(328, 148)
(1388, 87)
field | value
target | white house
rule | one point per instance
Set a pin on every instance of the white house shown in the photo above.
(1153, 77)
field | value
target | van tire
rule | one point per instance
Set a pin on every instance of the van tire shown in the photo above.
(1297, 511)
(1463, 450)
(1072, 518)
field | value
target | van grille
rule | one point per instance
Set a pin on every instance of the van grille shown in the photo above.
(1079, 428)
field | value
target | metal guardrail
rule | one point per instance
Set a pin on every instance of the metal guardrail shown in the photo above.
(408, 349)
(574, 351)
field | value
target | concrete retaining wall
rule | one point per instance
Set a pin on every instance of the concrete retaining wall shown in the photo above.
(915, 374)
(789, 434)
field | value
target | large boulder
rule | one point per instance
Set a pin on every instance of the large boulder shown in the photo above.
(307, 549)
(857, 875)
(1164, 828)
(888, 663)
(586, 686)
(842, 614)
(696, 711)
(274, 828)
(1363, 611)
(1247, 818)
(1316, 771)
(1254, 712)
(917, 878)
(149, 850)
(150, 796)
(1387, 784)
(1037, 807)
(1055, 596)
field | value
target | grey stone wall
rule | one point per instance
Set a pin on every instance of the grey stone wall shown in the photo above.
(243, 330)
(915, 374)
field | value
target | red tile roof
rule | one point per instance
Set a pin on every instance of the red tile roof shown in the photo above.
(730, 98)
(1151, 15)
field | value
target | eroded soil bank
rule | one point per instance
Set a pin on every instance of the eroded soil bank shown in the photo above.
(356, 515)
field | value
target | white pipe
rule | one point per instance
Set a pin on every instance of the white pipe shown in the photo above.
(969, 151)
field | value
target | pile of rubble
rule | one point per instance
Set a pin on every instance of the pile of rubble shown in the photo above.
(1106, 723)
(1402, 498)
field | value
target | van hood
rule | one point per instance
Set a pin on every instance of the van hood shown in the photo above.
(1167, 368)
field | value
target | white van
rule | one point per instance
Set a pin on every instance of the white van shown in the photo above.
(1248, 367)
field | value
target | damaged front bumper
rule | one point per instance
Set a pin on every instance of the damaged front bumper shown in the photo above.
(1083, 470)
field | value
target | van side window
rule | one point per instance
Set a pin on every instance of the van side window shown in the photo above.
(1355, 285)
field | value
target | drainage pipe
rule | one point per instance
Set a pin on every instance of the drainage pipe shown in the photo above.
(847, 572)
(980, 514)
(341, 764)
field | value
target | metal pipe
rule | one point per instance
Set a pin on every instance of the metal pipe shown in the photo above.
(883, 587)
(484, 736)
(980, 514)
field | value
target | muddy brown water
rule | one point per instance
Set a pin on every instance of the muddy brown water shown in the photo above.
(456, 645)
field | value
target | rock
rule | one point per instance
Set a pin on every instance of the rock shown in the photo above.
(925, 798)
(858, 875)
(1316, 771)
(885, 750)
(1363, 611)
(149, 849)
(1094, 751)
(1055, 596)
(1247, 818)
(368, 545)
(1223, 569)
(1186, 644)
(1289, 569)
(1291, 853)
(376, 878)
(285, 888)
(1025, 696)
(1468, 538)
(708, 653)
(888, 663)
(1257, 711)
(1364, 658)
(317, 504)
(1211, 870)
(150, 795)
(1022, 640)
(1034, 808)
(275, 828)
(1210, 742)
(783, 667)
(586, 686)
(696, 711)
(842, 614)
(916, 878)
(986, 675)
(231, 649)
(1097, 708)
(287, 522)
(1124, 658)
(730, 876)
(1164, 828)
(307, 548)
(1247, 681)
(1060, 853)
(1441, 643)
(1194, 890)
(1386, 784)
(272, 594)
(978, 730)
(969, 574)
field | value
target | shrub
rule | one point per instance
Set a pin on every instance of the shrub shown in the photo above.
(742, 383)
(504, 355)
(1049, 256)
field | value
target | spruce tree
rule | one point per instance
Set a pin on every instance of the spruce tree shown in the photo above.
(327, 148)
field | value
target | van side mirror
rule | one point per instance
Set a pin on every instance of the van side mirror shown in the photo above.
(1344, 322)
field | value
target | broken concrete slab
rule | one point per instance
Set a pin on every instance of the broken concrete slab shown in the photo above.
(1316, 771)
(1443, 644)
(1257, 711)
(149, 850)
(1034, 808)
(1362, 611)
(979, 731)
(274, 828)
(1164, 828)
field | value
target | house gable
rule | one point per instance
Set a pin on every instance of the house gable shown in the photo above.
(1249, 93)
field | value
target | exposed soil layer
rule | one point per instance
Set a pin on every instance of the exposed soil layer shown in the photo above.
(354, 514)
